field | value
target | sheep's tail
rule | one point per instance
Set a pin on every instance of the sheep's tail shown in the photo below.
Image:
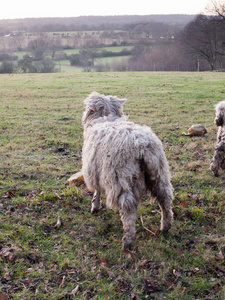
(157, 175)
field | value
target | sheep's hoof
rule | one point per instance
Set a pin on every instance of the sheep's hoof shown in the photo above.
(165, 232)
(214, 171)
(165, 227)
(223, 165)
(94, 210)
(127, 245)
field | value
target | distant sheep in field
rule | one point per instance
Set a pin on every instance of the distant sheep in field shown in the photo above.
(123, 160)
(218, 160)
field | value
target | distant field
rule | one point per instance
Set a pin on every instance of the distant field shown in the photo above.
(40, 147)
(111, 49)
(72, 33)
(65, 67)
(20, 54)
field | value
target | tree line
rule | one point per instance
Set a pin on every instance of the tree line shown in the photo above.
(88, 23)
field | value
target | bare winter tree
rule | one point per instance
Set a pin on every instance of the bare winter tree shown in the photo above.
(19, 40)
(85, 60)
(38, 47)
(161, 57)
(91, 48)
(204, 37)
(217, 8)
(54, 45)
(25, 64)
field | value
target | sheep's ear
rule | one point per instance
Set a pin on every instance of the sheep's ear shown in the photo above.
(92, 106)
(122, 101)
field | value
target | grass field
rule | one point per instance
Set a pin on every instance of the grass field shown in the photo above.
(81, 258)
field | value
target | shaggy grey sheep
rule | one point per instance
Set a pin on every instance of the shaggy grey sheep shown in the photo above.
(218, 160)
(123, 160)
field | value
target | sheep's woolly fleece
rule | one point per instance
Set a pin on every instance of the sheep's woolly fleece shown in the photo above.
(218, 160)
(122, 159)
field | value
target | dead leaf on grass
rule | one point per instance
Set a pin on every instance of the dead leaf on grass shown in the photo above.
(103, 261)
(220, 272)
(144, 263)
(9, 194)
(57, 195)
(33, 258)
(184, 203)
(7, 276)
(219, 256)
(111, 274)
(3, 297)
(53, 268)
(7, 254)
(151, 265)
(62, 282)
(128, 254)
(177, 273)
(74, 291)
(124, 285)
(58, 223)
(150, 285)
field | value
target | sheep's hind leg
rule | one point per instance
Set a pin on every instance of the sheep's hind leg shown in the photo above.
(164, 195)
(223, 164)
(95, 202)
(128, 213)
(218, 159)
(128, 218)
(214, 167)
(167, 215)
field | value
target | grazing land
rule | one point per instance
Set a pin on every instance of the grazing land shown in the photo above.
(80, 256)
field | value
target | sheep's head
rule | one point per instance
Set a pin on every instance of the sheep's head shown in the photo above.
(220, 113)
(100, 105)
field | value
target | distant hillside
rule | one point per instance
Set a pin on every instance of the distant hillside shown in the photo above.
(88, 22)
(169, 19)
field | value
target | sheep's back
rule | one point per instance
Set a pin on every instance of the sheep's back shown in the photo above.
(112, 152)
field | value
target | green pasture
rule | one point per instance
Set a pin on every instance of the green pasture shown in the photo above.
(111, 49)
(81, 257)
(64, 66)
(20, 54)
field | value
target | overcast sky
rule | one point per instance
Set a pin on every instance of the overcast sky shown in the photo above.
(11, 9)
